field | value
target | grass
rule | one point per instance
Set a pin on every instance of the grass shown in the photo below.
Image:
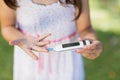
(6, 60)
(106, 67)
(106, 22)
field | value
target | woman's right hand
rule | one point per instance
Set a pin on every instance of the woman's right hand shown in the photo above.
(30, 44)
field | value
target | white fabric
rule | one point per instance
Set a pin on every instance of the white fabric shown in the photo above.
(56, 19)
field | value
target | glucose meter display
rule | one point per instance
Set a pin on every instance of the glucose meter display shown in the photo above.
(70, 44)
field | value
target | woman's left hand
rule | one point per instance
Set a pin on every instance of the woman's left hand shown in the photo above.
(91, 51)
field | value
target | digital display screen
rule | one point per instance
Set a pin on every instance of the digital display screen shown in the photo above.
(70, 44)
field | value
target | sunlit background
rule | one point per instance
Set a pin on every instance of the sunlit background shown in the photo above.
(105, 18)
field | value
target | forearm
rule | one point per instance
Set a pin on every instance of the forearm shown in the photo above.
(11, 33)
(87, 33)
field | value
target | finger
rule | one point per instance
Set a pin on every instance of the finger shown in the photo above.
(89, 55)
(39, 49)
(43, 43)
(91, 46)
(43, 37)
(86, 48)
(31, 54)
(85, 51)
(94, 52)
(79, 50)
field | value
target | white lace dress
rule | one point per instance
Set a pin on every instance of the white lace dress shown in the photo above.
(36, 20)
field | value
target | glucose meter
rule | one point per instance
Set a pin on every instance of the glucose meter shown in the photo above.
(70, 46)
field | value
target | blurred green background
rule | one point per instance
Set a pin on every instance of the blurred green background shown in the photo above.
(105, 18)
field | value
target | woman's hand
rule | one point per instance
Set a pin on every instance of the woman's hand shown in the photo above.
(30, 44)
(91, 51)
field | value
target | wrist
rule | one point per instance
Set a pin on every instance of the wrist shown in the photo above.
(89, 36)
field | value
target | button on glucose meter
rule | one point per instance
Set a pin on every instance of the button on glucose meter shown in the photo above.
(70, 46)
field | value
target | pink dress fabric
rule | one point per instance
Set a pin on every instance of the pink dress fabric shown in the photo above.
(57, 19)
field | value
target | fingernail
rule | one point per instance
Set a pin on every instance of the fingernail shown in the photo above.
(50, 34)
(85, 47)
(37, 58)
(46, 50)
(34, 58)
(11, 43)
(49, 41)
(79, 39)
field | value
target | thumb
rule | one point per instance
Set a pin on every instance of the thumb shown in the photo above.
(80, 39)
(15, 42)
